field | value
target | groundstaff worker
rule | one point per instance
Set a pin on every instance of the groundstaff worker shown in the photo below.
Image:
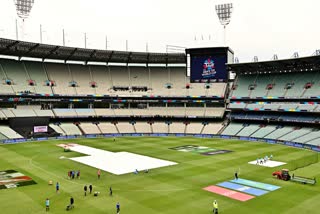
(215, 207)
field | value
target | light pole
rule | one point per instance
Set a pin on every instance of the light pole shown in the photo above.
(224, 12)
(40, 33)
(63, 38)
(23, 8)
(106, 42)
(127, 45)
(85, 40)
(17, 30)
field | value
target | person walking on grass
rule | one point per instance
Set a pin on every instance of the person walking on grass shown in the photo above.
(118, 208)
(236, 175)
(47, 204)
(57, 187)
(215, 207)
(90, 188)
(110, 191)
(99, 173)
(71, 206)
(85, 188)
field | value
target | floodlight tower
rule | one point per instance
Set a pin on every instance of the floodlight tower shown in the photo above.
(224, 12)
(23, 8)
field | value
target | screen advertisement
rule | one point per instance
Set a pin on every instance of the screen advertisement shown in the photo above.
(40, 129)
(208, 69)
(208, 65)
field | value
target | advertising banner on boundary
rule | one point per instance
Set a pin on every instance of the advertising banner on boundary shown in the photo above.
(269, 141)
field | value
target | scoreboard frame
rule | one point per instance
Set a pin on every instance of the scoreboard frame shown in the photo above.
(225, 53)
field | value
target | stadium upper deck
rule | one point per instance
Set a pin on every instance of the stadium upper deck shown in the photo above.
(289, 78)
(166, 77)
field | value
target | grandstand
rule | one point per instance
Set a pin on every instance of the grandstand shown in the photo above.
(143, 127)
(93, 99)
(89, 128)
(107, 127)
(289, 85)
(177, 127)
(9, 133)
(211, 128)
(276, 100)
(274, 132)
(38, 77)
(74, 79)
(194, 128)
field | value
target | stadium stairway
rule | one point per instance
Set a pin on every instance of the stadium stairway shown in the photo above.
(99, 128)
(269, 133)
(240, 130)
(255, 131)
(91, 79)
(57, 129)
(81, 130)
(117, 128)
(301, 136)
(151, 128)
(44, 67)
(202, 129)
(134, 128)
(222, 129)
(5, 88)
(28, 76)
(278, 138)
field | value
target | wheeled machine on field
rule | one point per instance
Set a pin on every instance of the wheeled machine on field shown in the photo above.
(284, 175)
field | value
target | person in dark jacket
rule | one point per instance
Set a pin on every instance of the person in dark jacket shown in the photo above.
(118, 208)
(71, 201)
(110, 191)
(85, 188)
(90, 188)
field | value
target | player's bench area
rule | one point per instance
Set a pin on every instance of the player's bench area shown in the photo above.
(303, 180)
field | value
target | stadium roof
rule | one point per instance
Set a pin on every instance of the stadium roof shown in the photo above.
(43, 51)
(278, 66)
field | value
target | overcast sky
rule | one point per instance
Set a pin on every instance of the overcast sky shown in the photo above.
(258, 27)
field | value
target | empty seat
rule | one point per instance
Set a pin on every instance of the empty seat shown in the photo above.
(212, 128)
(108, 128)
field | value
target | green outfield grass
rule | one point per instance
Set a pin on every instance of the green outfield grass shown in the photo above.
(174, 189)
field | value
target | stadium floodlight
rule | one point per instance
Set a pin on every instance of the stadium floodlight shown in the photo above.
(23, 8)
(224, 12)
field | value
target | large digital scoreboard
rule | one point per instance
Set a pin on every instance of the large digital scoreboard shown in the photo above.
(208, 65)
